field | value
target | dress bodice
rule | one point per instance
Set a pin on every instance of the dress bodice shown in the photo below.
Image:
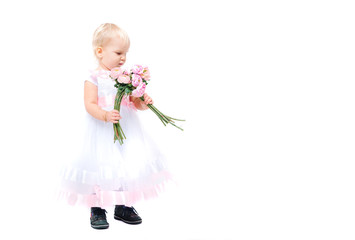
(106, 91)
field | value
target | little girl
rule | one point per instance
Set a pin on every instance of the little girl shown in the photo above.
(107, 173)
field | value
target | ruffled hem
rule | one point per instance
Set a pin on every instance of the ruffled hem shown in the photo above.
(108, 198)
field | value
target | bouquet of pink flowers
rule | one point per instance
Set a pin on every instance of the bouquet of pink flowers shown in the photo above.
(133, 83)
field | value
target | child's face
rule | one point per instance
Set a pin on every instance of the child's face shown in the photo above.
(113, 54)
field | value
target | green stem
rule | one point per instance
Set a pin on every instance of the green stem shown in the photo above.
(163, 118)
(159, 113)
(118, 132)
(174, 118)
(177, 126)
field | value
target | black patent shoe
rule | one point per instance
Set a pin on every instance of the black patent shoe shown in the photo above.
(127, 214)
(98, 218)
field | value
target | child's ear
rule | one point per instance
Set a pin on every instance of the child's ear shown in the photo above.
(99, 51)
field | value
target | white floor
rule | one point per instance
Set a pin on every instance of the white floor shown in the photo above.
(264, 206)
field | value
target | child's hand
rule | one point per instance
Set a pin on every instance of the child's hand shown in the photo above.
(147, 99)
(113, 116)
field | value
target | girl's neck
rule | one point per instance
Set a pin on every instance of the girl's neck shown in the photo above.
(102, 67)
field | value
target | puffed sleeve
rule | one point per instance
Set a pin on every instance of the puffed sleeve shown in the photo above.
(92, 78)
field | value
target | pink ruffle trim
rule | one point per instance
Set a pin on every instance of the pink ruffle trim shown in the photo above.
(108, 101)
(104, 199)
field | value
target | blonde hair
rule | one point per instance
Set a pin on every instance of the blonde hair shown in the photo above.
(105, 32)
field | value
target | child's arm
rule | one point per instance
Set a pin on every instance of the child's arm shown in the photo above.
(90, 100)
(139, 104)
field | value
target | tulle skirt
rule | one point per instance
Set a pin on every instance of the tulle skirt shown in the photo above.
(107, 173)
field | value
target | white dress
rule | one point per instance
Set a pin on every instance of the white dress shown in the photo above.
(107, 173)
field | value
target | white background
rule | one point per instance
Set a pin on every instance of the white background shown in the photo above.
(267, 88)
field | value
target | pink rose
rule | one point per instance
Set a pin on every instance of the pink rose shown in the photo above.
(146, 74)
(124, 79)
(139, 91)
(116, 72)
(136, 80)
(136, 93)
(137, 69)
